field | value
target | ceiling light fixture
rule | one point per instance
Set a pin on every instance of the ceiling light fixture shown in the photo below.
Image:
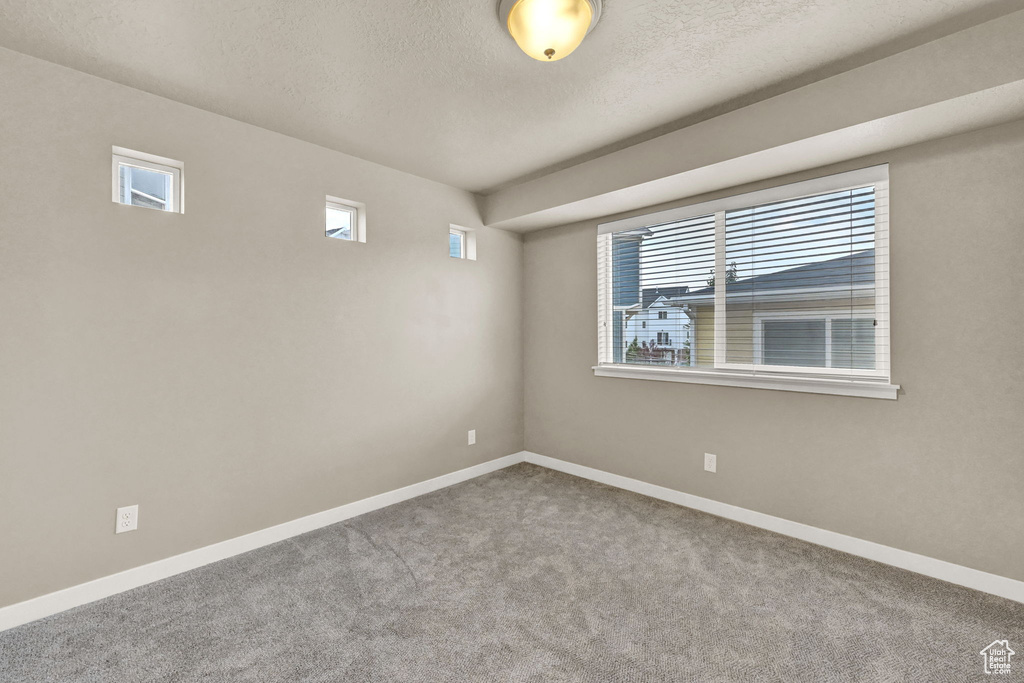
(549, 30)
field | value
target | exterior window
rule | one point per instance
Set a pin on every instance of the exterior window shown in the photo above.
(345, 220)
(341, 221)
(456, 243)
(837, 341)
(146, 180)
(462, 243)
(794, 342)
(852, 343)
(776, 285)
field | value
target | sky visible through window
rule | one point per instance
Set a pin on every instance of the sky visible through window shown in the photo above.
(339, 223)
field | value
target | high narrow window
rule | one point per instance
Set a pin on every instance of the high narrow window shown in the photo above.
(456, 243)
(462, 243)
(784, 284)
(146, 180)
(345, 220)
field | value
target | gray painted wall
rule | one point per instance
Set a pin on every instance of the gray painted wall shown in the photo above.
(939, 472)
(230, 368)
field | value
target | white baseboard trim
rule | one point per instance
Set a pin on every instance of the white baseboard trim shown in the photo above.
(52, 603)
(921, 564)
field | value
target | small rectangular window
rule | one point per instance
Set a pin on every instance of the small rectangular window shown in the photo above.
(456, 243)
(462, 243)
(345, 220)
(853, 343)
(146, 180)
(798, 343)
(341, 221)
(830, 339)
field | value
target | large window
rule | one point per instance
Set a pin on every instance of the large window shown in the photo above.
(782, 288)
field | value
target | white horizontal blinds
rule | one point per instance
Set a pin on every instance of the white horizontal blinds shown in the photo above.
(789, 280)
(802, 287)
(647, 277)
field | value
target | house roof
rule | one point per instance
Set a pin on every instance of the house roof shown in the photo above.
(856, 268)
(652, 294)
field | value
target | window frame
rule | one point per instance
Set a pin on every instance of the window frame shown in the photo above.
(353, 220)
(841, 381)
(358, 221)
(467, 240)
(121, 156)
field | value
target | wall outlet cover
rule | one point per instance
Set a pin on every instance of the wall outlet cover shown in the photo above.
(127, 519)
(472, 437)
(710, 462)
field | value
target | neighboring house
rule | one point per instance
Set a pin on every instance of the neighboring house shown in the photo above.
(663, 332)
(815, 315)
(626, 293)
(142, 187)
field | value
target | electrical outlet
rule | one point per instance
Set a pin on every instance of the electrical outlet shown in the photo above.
(710, 462)
(472, 437)
(127, 519)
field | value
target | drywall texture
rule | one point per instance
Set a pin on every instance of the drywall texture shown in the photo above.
(937, 472)
(230, 368)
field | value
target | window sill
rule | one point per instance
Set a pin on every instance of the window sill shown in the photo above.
(812, 385)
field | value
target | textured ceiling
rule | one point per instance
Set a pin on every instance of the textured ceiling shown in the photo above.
(436, 88)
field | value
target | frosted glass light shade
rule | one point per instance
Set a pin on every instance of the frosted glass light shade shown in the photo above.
(549, 30)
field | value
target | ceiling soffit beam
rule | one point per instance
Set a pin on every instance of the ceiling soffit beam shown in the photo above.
(964, 81)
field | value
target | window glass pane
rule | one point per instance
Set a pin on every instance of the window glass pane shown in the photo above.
(145, 187)
(339, 223)
(853, 343)
(794, 342)
(455, 245)
(661, 292)
(796, 258)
